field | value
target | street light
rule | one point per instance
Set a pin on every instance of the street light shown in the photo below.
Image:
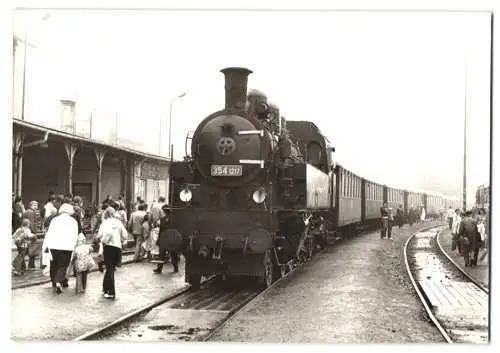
(464, 191)
(45, 17)
(169, 127)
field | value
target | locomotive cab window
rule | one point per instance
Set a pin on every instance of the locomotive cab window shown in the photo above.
(314, 154)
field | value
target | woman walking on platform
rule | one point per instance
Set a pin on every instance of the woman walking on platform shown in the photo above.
(60, 241)
(113, 236)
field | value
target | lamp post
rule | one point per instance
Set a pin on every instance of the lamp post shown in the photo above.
(464, 195)
(26, 28)
(169, 127)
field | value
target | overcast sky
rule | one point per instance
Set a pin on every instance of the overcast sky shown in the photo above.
(387, 89)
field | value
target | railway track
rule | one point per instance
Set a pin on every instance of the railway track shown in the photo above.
(455, 303)
(187, 315)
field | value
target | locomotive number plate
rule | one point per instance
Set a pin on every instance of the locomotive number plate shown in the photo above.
(226, 170)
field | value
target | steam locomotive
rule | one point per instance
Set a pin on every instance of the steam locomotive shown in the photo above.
(259, 194)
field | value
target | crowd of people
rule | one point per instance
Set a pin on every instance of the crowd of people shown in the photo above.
(415, 215)
(470, 230)
(69, 249)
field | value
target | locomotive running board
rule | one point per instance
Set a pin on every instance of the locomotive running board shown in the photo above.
(251, 132)
(252, 161)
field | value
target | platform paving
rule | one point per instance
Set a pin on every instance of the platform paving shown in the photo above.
(456, 302)
(36, 276)
(38, 313)
(357, 291)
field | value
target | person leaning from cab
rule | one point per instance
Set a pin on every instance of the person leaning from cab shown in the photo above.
(169, 240)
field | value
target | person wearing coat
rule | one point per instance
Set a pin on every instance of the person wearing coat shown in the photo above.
(113, 236)
(168, 240)
(30, 214)
(455, 243)
(422, 215)
(60, 241)
(470, 239)
(400, 216)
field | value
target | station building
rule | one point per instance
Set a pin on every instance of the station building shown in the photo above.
(47, 159)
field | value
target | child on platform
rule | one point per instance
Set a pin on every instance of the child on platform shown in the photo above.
(22, 238)
(83, 263)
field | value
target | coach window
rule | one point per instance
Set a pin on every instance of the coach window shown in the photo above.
(349, 185)
(344, 183)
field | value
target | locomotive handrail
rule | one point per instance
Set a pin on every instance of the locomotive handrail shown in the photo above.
(251, 132)
(252, 161)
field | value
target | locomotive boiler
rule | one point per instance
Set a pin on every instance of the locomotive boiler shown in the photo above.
(252, 198)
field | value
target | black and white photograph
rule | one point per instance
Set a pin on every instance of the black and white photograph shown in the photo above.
(310, 173)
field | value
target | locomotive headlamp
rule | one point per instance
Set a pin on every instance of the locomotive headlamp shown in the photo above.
(259, 195)
(185, 195)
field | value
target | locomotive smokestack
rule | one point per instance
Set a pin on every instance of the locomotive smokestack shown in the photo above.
(236, 86)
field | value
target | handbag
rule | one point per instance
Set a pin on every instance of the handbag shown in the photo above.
(46, 260)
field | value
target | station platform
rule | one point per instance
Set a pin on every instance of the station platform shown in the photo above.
(355, 292)
(481, 272)
(35, 276)
(38, 313)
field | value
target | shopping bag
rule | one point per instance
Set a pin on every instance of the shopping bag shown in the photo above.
(46, 258)
(70, 266)
(155, 250)
(46, 270)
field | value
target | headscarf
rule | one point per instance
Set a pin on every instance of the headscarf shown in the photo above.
(66, 208)
(81, 239)
(109, 212)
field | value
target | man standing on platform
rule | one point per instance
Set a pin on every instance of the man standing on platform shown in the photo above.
(450, 214)
(470, 238)
(384, 215)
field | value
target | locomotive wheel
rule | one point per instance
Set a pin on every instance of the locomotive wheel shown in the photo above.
(268, 263)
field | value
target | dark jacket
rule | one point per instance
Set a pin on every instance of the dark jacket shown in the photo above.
(468, 229)
(169, 238)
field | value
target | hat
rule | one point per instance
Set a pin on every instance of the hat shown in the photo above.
(66, 208)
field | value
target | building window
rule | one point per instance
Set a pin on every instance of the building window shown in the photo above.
(142, 188)
(156, 189)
